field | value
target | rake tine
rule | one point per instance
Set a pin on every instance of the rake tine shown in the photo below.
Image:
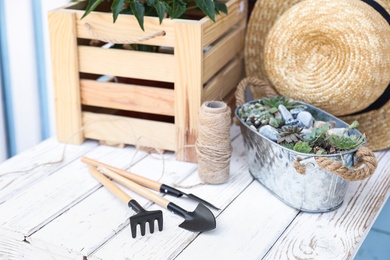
(151, 226)
(142, 215)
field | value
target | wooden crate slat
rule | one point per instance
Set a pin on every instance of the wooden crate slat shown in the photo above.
(225, 50)
(225, 81)
(126, 63)
(127, 97)
(134, 131)
(65, 76)
(237, 11)
(188, 87)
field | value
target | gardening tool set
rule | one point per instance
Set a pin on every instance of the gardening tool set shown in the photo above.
(201, 219)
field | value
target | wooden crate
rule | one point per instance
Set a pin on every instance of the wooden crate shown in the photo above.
(158, 96)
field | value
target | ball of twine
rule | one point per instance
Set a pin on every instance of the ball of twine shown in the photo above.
(213, 145)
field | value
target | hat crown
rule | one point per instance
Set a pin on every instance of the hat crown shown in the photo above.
(332, 54)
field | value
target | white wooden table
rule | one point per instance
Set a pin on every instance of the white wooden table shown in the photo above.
(58, 211)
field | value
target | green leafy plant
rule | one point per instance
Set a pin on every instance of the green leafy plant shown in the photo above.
(159, 8)
(345, 143)
(302, 147)
(317, 136)
(289, 134)
(273, 103)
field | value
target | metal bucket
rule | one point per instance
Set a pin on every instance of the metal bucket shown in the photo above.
(271, 164)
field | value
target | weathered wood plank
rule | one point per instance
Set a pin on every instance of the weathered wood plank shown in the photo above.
(247, 228)
(169, 243)
(36, 163)
(39, 204)
(102, 214)
(13, 249)
(337, 234)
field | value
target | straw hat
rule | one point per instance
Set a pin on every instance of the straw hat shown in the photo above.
(333, 54)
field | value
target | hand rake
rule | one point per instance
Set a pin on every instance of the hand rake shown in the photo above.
(142, 217)
(201, 219)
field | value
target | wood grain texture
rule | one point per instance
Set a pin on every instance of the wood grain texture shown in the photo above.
(337, 234)
(225, 81)
(13, 249)
(127, 63)
(188, 87)
(65, 69)
(237, 11)
(39, 204)
(223, 51)
(35, 164)
(140, 132)
(246, 229)
(128, 97)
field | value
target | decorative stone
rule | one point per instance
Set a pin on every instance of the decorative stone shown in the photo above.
(285, 113)
(306, 119)
(269, 132)
(338, 131)
(318, 124)
(295, 111)
(293, 122)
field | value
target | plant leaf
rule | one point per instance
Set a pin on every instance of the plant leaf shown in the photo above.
(138, 10)
(354, 124)
(116, 8)
(160, 9)
(177, 9)
(150, 2)
(220, 7)
(92, 4)
(207, 7)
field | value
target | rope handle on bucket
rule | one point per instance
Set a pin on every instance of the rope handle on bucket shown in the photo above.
(103, 38)
(366, 157)
(264, 88)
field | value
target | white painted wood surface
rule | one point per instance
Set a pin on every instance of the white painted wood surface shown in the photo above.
(58, 211)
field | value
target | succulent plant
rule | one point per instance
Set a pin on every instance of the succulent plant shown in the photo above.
(289, 134)
(273, 103)
(318, 140)
(276, 122)
(345, 143)
(302, 147)
(317, 136)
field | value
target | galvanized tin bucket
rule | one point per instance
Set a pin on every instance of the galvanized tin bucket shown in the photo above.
(271, 164)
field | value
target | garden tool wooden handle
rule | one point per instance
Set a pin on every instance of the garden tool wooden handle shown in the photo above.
(262, 89)
(144, 192)
(155, 185)
(110, 185)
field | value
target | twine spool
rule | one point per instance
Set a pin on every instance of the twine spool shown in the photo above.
(213, 145)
